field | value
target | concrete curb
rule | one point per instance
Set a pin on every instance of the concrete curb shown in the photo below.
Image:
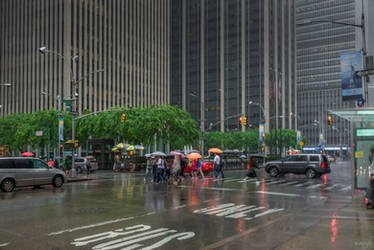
(78, 179)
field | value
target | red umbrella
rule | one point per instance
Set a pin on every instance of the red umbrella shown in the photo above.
(27, 154)
(177, 153)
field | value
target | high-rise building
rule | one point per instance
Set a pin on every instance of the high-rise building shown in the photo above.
(319, 46)
(226, 53)
(128, 39)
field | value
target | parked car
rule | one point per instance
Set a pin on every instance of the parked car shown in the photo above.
(331, 158)
(312, 165)
(20, 172)
(81, 163)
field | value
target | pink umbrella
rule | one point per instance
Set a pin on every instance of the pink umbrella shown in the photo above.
(177, 153)
(27, 154)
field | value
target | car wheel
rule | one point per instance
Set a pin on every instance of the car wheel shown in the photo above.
(311, 173)
(273, 172)
(58, 181)
(79, 170)
(8, 185)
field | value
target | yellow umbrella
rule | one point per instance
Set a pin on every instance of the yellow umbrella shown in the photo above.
(194, 156)
(215, 151)
(120, 146)
(114, 149)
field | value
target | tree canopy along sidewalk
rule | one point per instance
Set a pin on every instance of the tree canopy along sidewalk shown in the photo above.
(141, 126)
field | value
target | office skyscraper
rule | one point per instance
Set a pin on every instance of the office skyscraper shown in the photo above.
(226, 53)
(319, 46)
(128, 39)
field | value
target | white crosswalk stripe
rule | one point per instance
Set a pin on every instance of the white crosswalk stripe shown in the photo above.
(315, 186)
(290, 183)
(332, 187)
(346, 188)
(302, 184)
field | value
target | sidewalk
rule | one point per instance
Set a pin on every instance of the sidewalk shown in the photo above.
(351, 227)
(78, 178)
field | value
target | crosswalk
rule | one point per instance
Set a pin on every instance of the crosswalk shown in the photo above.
(302, 183)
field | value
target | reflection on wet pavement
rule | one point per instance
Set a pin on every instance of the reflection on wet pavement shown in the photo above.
(125, 211)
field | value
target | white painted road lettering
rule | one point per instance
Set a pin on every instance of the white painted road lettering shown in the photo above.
(233, 211)
(135, 236)
(4, 244)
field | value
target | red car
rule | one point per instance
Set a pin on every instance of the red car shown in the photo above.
(206, 167)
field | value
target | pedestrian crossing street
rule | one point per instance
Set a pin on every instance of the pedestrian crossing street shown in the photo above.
(302, 183)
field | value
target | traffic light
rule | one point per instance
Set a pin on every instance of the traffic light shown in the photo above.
(241, 120)
(123, 118)
(244, 121)
(329, 120)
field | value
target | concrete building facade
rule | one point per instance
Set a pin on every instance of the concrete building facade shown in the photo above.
(319, 46)
(129, 39)
(226, 53)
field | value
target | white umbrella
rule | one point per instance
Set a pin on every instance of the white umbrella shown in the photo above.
(158, 153)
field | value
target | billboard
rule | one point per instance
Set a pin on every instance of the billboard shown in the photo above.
(351, 62)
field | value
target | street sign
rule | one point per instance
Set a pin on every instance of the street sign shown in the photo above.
(39, 133)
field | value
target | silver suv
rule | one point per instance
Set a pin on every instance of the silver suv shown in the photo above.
(82, 162)
(20, 172)
(312, 165)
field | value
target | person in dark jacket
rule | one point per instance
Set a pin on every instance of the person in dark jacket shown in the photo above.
(252, 164)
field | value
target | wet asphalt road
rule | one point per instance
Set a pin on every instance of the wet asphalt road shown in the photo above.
(123, 211)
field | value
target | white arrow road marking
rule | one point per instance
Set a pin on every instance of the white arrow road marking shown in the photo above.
(133, 239)
(315, 186)
(280, 194)
(231, 210)
(244, 213)
(109, 235)
(270, 211)
(4, 244)
(90, 226)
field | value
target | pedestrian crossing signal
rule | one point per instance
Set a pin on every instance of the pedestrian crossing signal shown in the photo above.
(123, 118)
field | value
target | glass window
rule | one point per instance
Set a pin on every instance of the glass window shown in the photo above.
(6, 164)
(39, 164)
(79, 160)
(23, 163)
(300, 158)
(314, 158)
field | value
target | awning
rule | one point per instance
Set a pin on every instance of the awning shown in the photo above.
(355, 115)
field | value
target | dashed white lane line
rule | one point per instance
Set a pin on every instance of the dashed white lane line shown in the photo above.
(302, 184)
(4, 244)
(280, 194)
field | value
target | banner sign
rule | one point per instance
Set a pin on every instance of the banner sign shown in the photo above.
(351, 62)
(261, 132)
(321, 140)
(61, 128)
(298, 137)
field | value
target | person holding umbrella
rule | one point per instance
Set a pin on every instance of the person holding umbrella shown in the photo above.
(218, 167)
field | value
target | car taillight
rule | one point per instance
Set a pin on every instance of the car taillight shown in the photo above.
(366, 200)
(322, 165)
